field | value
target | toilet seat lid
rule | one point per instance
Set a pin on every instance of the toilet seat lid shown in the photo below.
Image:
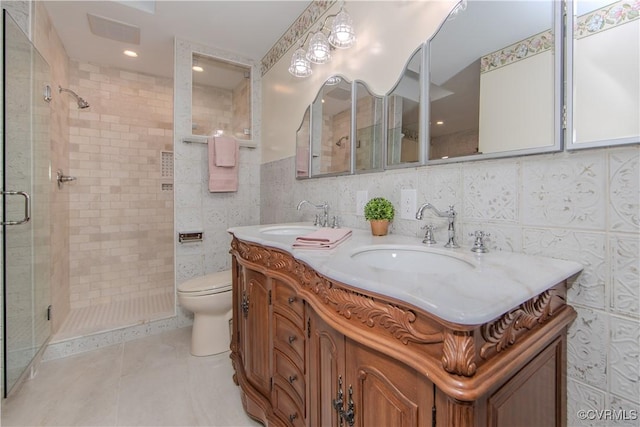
(208, 284)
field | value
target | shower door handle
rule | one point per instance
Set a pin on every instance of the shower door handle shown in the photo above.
(27, 207)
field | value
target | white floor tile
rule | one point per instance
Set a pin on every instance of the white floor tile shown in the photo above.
(152, 381)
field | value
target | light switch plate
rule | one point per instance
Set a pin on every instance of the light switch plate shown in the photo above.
(408, 203)
(362, 197)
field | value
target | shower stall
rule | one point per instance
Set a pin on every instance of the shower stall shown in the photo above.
(26, 180)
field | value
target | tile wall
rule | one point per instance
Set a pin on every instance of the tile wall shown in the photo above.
(582, 206)
(196, 208)
(121, 215)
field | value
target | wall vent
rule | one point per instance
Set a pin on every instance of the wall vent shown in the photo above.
(113, 30)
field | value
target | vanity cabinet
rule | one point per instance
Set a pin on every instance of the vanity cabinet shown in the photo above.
(315, 352)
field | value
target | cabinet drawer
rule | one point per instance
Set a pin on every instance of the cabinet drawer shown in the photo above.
(286, 408)
(288, 374)
(289, 339)
(287, 301)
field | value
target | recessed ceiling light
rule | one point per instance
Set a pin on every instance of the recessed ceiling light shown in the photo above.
(197, 68)
(130, 53)
(439, 122)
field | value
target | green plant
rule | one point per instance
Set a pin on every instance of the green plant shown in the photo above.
(379, 208)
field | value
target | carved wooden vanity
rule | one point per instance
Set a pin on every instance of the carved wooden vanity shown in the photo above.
(310, 351)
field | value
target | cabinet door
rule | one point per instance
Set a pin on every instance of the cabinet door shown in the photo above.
(326, 369)
(385, 392)
(255, 330)
(535, 396)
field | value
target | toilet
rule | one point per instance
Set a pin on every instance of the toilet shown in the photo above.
(209, 298)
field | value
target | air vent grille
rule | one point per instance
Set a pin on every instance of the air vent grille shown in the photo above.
(113, 30)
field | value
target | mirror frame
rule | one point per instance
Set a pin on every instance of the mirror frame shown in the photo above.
(559, 105)
(570, 94)
(354, 130)
(423, 114)
(350, 170)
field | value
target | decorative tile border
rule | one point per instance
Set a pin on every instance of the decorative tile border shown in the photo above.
(605, 18)
(525, 48)
(301, 25)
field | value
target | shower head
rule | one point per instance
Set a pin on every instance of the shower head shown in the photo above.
(82, 104)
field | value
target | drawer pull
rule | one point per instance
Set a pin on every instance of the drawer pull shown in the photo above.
(293, 417)
(292, 338)
(292, 378)
(292, 300)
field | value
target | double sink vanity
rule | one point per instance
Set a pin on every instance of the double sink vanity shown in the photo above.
(386, 331)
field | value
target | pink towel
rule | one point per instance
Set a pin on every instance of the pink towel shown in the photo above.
(222, 179)
(225, 148)
(325, 238)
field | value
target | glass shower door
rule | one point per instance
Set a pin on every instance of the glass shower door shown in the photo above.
(25, 202)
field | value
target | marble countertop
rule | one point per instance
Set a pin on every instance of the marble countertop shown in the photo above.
(491, 285)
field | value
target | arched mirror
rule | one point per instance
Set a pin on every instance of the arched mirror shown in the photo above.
(404, 116)
(605, 59)
(369, 138)
(303, 142)
(221, 98)
(331, 128)
(495, 80)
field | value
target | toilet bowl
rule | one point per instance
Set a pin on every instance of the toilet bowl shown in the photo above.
(209, 298)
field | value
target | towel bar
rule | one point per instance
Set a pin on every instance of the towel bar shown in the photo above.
(196, 139)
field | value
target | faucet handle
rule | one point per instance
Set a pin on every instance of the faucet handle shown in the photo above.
(428, 235)
(478, 244)
(336, 222)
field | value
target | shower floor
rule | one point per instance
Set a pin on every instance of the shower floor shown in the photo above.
(118, 314)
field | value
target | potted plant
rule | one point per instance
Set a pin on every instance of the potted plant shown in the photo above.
(379, 212)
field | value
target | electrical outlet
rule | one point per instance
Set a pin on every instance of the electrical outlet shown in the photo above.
(408, 204)
(362, 197)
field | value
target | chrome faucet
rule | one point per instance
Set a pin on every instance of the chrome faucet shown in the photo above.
(324, 221)
(450, 214)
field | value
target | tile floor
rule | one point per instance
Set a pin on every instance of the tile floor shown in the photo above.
(152, 381)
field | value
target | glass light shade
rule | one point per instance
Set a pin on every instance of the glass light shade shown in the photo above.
(300, 65)
(319, 51)
(342, 33)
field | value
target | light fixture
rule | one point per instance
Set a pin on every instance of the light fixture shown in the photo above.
(130, 53)
(300, 65)
(341, 36)
(319, 51)
(196, 66)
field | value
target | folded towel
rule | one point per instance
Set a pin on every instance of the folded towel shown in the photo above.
(222, 179)
(325, 238)
(225, 150)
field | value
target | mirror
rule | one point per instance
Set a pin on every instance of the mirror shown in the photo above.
(369, 133)
(605, 49)
(404, 116)
(331, 128)
(494, 86)
(303, 143)
(221, 98)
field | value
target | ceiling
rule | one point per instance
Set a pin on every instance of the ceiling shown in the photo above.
(245, 28)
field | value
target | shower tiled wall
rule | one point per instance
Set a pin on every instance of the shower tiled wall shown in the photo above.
(121, 218)
(582, 206)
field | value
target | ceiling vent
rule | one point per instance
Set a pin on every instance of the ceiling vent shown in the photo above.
(114, 30)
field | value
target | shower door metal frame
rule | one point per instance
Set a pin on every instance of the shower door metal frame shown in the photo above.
(26, 237)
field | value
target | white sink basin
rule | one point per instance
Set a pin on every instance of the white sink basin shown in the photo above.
(410, 259)
(288, 230)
